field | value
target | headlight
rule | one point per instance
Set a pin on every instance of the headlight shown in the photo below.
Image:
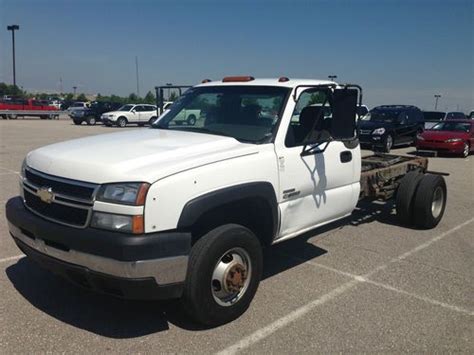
(419, 137)
(452, 140)
(23, 168)
(118, 222)
(130, 193)
(379, 131)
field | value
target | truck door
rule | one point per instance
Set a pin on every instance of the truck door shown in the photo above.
(322, 184)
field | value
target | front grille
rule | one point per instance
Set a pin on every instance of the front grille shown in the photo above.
(71, 201)
(62, 213)
(71, 189)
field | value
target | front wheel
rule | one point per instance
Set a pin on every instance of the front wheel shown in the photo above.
(224, 271)
(91, 121)
(122, 122)
(77, 122)
(191, 120)
(466, 150)
(388, 143)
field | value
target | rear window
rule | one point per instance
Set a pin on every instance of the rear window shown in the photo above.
(455, 116)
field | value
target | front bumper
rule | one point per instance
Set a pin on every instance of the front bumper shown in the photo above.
(453, 147)
(371, 140)
(151, 266)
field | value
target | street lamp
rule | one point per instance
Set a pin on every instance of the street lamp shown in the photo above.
(437, 96)
(74, 88)
(332, 77)
(13, 28)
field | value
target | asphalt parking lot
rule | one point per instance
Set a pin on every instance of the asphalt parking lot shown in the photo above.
(365, 284)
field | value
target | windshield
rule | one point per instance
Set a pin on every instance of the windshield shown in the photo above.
(433, 116)
(382, 116)
(246, 113)
(125, 108)
(452, 126)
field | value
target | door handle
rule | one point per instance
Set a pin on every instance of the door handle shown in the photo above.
(346, 156)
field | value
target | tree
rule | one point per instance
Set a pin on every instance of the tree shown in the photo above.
(11, 90)
(149, 98)
(133, 98)
(173, 96)
(82, 97)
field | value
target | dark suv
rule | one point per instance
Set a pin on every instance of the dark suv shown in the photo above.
(91, 115)
(390, 125)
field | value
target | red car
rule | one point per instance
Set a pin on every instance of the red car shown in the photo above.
(448, 137)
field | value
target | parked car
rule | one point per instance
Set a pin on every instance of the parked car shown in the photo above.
(131, 114)
(92, 114)
(455, 116)
(78, 105)
(471, 115)
(390, 125)
(449, 137)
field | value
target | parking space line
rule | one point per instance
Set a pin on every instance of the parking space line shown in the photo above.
(12, 258)
(282, 322)
(385, 286)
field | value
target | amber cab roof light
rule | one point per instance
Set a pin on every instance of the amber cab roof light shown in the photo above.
(206, 81)
(229, 79)
(283, 79)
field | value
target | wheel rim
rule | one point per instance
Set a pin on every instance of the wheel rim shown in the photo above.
(437, 203)
(231, 277)
(465, 151)
(389, 142)
(122, 123)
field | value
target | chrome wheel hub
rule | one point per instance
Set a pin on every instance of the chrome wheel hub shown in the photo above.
(437, 203)
(231, 277)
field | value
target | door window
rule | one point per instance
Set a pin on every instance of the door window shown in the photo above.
(312, 115)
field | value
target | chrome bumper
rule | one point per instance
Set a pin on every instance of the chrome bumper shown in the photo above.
(165, 271)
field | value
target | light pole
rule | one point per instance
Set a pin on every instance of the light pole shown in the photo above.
(437, 96)
(74, 88)
(332, 77)
(13, 28)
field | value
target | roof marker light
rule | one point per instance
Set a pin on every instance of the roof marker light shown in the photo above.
(206, 81)
(228, 79)
(283, 79)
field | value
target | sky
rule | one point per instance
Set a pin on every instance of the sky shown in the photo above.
(400, 52)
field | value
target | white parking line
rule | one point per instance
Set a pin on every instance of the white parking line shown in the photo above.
(282, 322)
(12, 258)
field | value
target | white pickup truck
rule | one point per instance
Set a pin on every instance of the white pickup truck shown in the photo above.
(184, 210)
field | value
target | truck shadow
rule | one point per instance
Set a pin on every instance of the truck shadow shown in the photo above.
(121, 319)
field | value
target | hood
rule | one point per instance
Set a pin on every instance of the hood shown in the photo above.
(443, 135)
(374, 124)
(140, 155)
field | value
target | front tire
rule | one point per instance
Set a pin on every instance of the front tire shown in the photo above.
(466, 150)
(91, 121)
(191, 120)
(224, 271)
(77, 122)
(122, 122)
(388, 143)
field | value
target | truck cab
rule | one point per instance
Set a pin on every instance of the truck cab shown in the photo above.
(183, 210)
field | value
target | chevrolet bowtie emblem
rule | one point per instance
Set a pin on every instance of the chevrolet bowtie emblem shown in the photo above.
(45, 194)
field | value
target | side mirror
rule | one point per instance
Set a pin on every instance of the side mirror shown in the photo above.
(344, 114)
